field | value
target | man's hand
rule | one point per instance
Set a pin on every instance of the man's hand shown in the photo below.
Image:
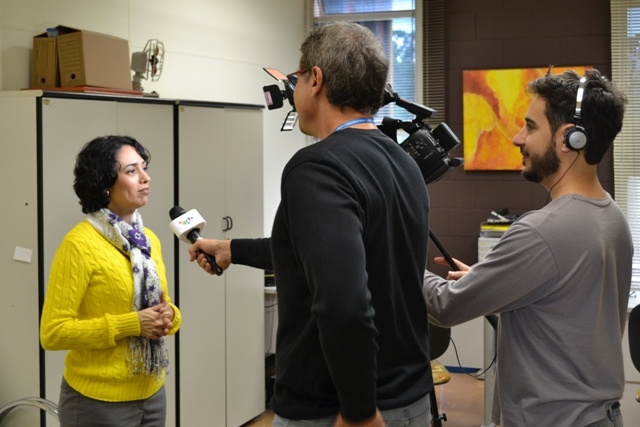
(220, 250)
(452, 274)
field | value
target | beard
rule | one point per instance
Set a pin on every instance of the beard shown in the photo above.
(542, 165)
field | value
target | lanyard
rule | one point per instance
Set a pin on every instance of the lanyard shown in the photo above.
(354, 122)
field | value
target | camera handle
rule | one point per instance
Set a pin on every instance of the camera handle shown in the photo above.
(491, 318)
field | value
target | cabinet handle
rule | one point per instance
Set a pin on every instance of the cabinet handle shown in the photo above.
(227, 223)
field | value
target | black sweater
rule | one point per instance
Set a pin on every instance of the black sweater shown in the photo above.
(348, 249)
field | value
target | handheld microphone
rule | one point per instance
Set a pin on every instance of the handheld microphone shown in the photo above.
(187, 227)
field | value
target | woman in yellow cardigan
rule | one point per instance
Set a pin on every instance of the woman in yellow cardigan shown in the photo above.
(107, 300)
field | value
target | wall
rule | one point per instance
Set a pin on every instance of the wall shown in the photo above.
(511, 34)
(215, 51)
(508, 34)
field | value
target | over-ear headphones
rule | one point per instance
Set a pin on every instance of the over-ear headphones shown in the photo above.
(576, 137)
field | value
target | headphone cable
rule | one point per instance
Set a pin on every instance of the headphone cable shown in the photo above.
(556, 183)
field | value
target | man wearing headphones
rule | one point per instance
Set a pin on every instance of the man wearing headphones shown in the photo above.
(560, 276)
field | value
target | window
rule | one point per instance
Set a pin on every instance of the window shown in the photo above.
(412, 32)
(625, 55)
(394, 22)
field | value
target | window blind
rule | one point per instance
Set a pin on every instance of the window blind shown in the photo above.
(625, 72)
(433, 54)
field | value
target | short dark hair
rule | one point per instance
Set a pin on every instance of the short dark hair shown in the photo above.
(96, 169)
(353, 63)
(602, 109)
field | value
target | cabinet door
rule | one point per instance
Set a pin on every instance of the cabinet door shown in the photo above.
(222, 349)
(152, 126)
(67, 124)
(19, 356)
(202, 296)
(245, 286)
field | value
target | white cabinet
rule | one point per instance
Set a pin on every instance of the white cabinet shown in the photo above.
(19, 309)
(40, 136)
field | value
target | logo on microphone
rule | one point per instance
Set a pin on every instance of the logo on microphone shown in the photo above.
(186, 221)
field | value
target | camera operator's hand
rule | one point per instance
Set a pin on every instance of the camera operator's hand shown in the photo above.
(453, 275)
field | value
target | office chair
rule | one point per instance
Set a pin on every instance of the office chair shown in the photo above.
(634, 340)
(439, 339)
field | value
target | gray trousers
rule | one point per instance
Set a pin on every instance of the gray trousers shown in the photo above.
(76, 410)
(418, 414)
(613, 419)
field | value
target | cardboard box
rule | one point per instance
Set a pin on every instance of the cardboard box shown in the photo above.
(93, 59)
(70, 57)
(44, 62)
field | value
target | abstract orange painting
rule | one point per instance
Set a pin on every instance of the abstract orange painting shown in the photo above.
(494, 106)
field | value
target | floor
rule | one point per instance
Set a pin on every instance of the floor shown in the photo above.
(461, 400)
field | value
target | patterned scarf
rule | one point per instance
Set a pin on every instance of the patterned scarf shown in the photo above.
(144, 356)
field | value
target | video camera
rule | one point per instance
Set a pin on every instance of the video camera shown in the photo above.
(429, 148)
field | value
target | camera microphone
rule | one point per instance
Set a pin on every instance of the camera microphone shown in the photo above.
(187, 227)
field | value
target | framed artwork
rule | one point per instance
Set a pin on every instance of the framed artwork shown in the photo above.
(494, 106)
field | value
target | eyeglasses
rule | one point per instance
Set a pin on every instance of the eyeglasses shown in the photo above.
(293, 77)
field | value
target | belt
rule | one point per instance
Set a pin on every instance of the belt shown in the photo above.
(613, 408)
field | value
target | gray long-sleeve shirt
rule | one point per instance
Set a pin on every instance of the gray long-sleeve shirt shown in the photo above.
(560, 279)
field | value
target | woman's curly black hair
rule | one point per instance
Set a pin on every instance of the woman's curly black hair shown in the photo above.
(97, 168)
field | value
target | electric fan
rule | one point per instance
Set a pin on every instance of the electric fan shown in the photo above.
(147, 65)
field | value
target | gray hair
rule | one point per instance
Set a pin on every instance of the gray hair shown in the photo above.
(353, 63)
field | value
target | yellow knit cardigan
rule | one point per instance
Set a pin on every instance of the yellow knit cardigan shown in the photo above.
(88, 311)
